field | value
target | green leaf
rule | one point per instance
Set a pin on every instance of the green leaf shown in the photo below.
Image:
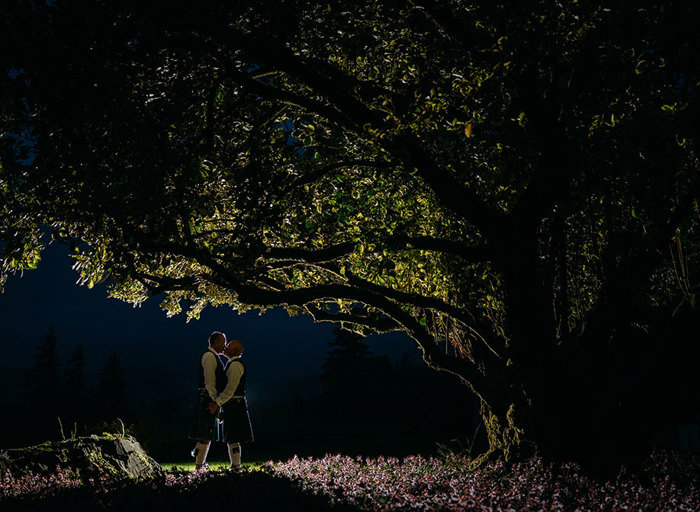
(639, 68)
(468, 129)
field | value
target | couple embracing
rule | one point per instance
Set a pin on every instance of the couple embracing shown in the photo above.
(221, 412)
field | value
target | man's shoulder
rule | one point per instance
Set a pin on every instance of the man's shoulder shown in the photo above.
(234, 361)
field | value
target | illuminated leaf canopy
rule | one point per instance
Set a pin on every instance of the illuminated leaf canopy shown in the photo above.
(507, 185)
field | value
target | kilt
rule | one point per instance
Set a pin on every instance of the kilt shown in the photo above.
(236, 422)
(204, 424)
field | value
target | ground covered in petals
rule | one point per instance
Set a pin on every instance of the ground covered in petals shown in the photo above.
(177, 491)
(668, 482)
(339, 483)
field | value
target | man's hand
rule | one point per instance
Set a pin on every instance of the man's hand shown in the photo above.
(213, 407)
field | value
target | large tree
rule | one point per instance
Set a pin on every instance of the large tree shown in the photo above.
(515, 187)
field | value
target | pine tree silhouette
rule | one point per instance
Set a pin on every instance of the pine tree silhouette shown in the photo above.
(111, 389)
(43, 387)
(344, 352)
(348, 354)
(76, 399)
(75, 370)
(45, 370)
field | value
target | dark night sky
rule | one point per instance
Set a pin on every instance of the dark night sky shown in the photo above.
(285, 354)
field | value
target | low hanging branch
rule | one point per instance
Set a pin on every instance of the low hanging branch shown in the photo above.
(325, 170)
(357, 316)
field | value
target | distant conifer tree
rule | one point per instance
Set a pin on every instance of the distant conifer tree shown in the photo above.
(351, 374)
(76, 394)
(75, 371)
(44, 375)
(43, 388)
(345, 349)
(111, 389)
(345, 352)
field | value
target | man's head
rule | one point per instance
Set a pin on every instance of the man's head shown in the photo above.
(217, 341)
(234, 348)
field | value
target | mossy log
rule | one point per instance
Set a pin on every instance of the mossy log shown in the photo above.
(117, 457)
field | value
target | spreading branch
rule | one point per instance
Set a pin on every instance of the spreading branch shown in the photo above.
(311, 256)
(274, 53)
(357, 316)
(452, 195)
(476, 254)
(327, 169)
(461, 315)
(267, 91)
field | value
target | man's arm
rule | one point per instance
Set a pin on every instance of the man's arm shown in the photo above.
(233, 374)
(209, 366)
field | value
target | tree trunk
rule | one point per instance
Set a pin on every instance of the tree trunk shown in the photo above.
(584, 407)
(600, 403)
(507, 433)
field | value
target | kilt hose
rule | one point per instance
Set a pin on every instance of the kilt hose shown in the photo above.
(236, 422)
(204, 424)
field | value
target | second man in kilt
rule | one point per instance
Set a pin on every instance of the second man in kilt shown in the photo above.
(234, 409)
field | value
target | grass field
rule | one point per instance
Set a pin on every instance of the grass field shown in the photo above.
(213, 466)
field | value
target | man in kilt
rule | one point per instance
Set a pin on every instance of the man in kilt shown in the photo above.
(212, 381)
(234, 408)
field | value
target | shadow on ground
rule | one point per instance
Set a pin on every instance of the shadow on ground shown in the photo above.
(215, 491)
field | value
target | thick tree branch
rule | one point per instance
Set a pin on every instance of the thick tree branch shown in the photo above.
(160, 284)
(326, 169)
(451, 194)
(311, 256)
(412, 298)
(472, 253)
(377, 323)
(267, 91)
(444, 20)
(478, 253)
(272, 52)
(461, 315)
(364, 89)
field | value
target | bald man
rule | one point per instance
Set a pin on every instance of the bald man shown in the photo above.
(234, 408)
(212, 380)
